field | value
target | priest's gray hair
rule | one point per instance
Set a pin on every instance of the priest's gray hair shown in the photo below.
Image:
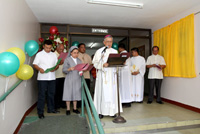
(108, 37)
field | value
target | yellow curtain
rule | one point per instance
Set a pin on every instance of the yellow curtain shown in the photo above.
(176, 43)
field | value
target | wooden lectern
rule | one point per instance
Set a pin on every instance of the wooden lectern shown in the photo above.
(118, 60)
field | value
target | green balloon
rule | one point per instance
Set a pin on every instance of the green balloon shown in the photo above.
(115, 45)
(9, 63)
(31, 47)
(75, 43)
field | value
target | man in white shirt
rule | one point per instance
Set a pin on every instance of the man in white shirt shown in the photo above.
(155, 63)
(46, 81)
(125, 80)
(105, 96)
(60, 78)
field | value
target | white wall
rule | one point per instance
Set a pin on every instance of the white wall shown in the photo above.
(184, 90)
(17, 25)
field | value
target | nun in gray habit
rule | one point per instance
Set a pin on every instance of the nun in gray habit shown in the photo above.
(72, 85)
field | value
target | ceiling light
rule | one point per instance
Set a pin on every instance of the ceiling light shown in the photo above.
(116, 3)
(92, 45)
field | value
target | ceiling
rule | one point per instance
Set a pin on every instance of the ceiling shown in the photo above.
(80, 12)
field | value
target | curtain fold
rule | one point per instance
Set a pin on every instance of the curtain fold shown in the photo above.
(176, 43)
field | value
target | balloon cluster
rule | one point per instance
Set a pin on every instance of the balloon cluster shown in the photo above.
(12, 61)
(55, 38)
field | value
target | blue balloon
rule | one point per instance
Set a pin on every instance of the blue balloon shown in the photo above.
(9, 63)
(31, 47)
(115, 46)
(75, 43)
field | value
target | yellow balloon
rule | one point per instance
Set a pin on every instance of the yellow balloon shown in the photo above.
(25, 72)
(19, 53)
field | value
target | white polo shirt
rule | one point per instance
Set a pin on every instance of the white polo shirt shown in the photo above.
(154, 72)
(45, 60)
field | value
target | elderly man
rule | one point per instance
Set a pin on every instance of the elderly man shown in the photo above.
(105, 96)
(85, 58)
(155, 63)
(60, 78)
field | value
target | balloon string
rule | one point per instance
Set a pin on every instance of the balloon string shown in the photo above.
(4, 103)
(29, 60)
(25, 83)
(7, 81)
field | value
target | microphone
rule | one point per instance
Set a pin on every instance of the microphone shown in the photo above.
(104, 49)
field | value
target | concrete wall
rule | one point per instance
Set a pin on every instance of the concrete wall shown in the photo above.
(138, 42)
(184, 90)
(18, 25)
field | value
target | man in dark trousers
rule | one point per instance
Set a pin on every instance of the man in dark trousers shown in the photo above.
(46, 81)
(155, 63)
(60, 78)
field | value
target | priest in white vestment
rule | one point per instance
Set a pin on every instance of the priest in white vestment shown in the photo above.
(105, 95)
(138, 68)
(125, 81)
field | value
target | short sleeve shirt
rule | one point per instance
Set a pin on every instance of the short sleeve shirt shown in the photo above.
(155, 73)
(45, 60)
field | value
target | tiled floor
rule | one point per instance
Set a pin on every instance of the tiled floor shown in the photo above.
(143, 116)
(151, 116)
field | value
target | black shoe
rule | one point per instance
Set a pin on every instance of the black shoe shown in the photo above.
(54, 111)
(76, 111)
(140, 102)
(149, 102)
(68, 112)
(128, 105)
(100, 116)
(125, 105)
(41, 116)
(160, 102)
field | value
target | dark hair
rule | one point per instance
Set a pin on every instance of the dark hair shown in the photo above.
(47, 42)
(135, 49)
(79, 45)
(155, 47)
(121, 45)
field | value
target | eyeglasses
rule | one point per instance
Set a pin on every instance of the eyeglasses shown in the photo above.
(109, 41)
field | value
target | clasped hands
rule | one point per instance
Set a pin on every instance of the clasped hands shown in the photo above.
(135, 73)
